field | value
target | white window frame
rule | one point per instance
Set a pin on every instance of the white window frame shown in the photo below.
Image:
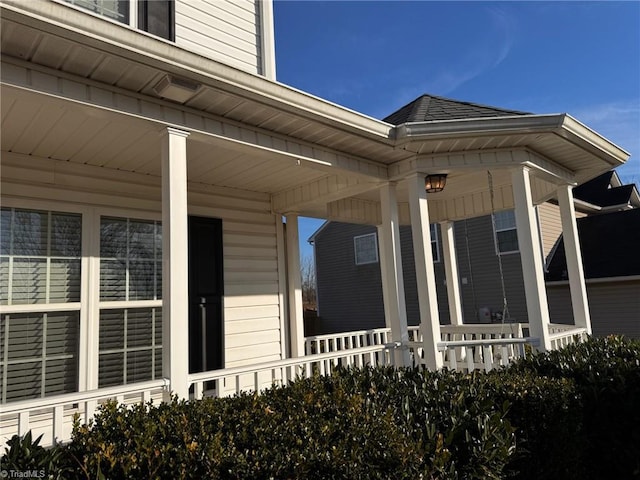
(90, 303)
(100, 304)
(81, 306)
(355, 249)
(497, 230)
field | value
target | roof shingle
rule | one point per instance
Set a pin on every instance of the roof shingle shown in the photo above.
(431, 108)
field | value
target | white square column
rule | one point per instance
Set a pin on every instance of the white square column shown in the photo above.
(451, 273)
(294, 286)
(175, 262)
(531, 258)
(425, 276)
(581, 316)
(395, 311)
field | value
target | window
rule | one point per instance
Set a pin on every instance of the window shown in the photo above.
(130, 259)
(505, 231)
(117, 10)
(156, 17)
(40, 266)
(366, 249)
(435, 251)
(153, 16)
(130, 348)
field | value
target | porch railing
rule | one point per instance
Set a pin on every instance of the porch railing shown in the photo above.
(53, 416)
(280, 372)
(346, 341)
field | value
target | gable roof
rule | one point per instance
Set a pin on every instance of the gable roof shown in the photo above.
(609, 244)
(601, 191)
(430, 108)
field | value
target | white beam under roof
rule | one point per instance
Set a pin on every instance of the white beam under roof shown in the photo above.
(321, 191)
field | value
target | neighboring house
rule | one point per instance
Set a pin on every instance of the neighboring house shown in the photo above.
(148, 159)
(610, 241)
(348, 272)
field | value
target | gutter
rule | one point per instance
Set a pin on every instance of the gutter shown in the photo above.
(560, 124)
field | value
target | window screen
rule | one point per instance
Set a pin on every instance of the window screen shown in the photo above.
(156, 17)
(366, 249)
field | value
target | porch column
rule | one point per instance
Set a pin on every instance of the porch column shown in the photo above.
(175, 256)
(294, 286)
(581, 316)
(425, 276)
(395, 311)
(531, 258)
(451, 272)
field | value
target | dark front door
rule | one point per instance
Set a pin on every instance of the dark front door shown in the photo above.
(205, 294)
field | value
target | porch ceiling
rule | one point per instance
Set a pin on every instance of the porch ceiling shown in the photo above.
(78, 89)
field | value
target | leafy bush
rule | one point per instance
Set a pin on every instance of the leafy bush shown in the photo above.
(606, 374)
(559, 415)
(23, 454)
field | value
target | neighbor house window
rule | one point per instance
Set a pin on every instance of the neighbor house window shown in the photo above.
(505, 230)
(40, 267)
(130, 347)
(366, 249)
(435, 251)
(153, 16)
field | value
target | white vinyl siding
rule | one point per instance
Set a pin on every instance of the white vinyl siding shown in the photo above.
(506, 235)
(40, 264)
(365, 249)
(225, 31)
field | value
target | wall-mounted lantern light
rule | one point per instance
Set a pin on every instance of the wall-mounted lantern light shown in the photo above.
(435, 183)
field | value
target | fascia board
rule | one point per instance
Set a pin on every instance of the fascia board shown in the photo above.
(77, 26)
(561, 124)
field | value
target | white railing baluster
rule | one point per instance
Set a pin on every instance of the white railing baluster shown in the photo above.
(23, 423)
(58, 419)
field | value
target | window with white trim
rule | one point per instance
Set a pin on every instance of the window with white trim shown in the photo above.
(366, 248)
(40, 277)
(152, 16)
(435, 251)
(130, 323)
(506, 235)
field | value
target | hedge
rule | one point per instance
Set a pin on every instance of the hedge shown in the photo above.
(562, 415)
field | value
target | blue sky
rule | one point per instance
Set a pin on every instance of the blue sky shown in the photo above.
(582, 58)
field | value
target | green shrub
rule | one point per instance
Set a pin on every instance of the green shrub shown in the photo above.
(606, 374)
(23, 454)
(560, 415)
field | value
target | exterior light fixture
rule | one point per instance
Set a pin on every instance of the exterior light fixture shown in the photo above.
(435, 183)
(177, 89)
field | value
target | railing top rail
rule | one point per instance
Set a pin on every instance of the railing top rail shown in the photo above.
(477, 343)
(287, 362)
(567, 333)
(77, 397)
(327, 336)
(482, 327)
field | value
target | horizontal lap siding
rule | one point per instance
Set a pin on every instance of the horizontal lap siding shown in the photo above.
(251, 290)
(227, 31)
(614, 307)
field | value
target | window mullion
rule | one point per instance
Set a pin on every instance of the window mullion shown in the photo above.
(47, 277)
(5, 359)
(43, 355)
(12, 230)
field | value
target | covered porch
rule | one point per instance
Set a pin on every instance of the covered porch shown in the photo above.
(89, 138)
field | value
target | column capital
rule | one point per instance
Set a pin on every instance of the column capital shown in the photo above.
(175, 131)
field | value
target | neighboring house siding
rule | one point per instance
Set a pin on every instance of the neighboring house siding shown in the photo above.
(551, 227)
(228, 31)
(350, 295)
(252, 317)
(614, 307)
(480, 278)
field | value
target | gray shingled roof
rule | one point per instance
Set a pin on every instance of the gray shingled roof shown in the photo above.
(429, 107)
